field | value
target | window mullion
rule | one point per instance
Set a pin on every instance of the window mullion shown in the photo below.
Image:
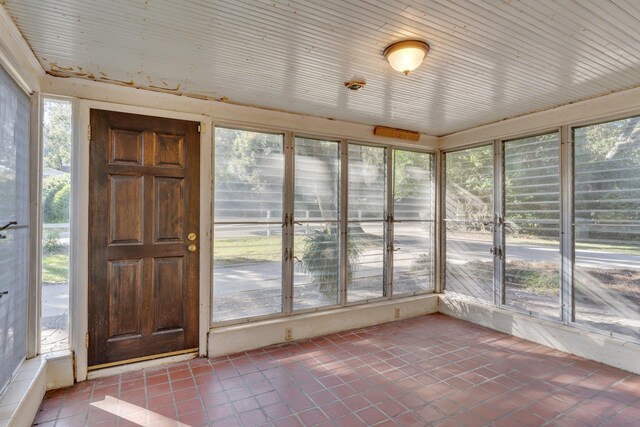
(344, 220)
(439, 248)
(287, 235)
(498, 228)
(566, 224)
(388, 234)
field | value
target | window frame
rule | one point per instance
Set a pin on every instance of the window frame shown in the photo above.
(566, 152)
(288, 207)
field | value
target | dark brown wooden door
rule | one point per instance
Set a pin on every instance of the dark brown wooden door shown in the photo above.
(143, 204)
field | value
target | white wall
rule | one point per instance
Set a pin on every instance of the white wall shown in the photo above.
(221, 113)
(247, 336)
(590, 345)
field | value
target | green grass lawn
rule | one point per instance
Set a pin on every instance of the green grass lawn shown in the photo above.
(55, 268)
(249, 249)
(240, 250)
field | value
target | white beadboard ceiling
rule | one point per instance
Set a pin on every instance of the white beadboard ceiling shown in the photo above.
(489, 59)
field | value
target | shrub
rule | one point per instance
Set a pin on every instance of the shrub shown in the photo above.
(56, 192)
(52, 243)
(320, 259)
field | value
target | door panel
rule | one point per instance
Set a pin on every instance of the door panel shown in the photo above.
(125, 289)
(127, 214)
(168, 213)
(169, 151)
(168, 284)
(144, 200)
(126, 147)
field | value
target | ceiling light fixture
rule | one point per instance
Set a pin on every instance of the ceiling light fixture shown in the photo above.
(406, 56)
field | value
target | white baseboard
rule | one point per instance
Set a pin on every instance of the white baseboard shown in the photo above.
(590, 345)
(21, 399)
(249, 336)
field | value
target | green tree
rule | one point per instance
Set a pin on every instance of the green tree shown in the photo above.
(57, 135)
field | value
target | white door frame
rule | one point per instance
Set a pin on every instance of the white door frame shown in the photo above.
(79, 261)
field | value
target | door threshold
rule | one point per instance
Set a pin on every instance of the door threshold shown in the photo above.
(116, 368)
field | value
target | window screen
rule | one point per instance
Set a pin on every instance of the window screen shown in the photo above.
(14, 240)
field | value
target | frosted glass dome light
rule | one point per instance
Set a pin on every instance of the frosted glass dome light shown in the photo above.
(406, 56)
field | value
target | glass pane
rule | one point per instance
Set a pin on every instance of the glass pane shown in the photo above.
(14, 207)
(247, 271)
(413, 186)
(316, 271)
(56, 195)
(607, 226)
(413, 257)
(468, 214)
(366, 183)
(317, 175)
(249, 176)
(532, 224)
(365, 247)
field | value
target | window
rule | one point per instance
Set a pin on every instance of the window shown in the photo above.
(248, 221)
(532, 224)
(56, 196)
(316, 224)
(607, 226)
(14, 219)
(413, 222)
(601, 250)
(366, 223)
(468, 222)
(286, 240)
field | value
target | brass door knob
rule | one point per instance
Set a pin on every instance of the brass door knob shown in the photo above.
(192, 236)
(191, 248)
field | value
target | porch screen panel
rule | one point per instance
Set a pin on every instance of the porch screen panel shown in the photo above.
(366, 222)
(414, 222)
(14, 240)
(56, 194)
(247, 244)
(532, 224)
(316, 223)
(607, 226)
(468, 221)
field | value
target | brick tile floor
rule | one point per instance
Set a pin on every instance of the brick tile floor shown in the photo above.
(431, 370)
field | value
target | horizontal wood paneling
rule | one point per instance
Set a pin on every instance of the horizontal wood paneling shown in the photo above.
(489, 60)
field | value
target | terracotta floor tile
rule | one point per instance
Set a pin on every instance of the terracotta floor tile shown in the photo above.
(220, 412)
(391, 408)
(188, 406)
(429, 414)
(75, 421)
(252, 418)
(246, 404)
(232, 421)
(371, 415)
(158, 390)
(313, 417)
(430, 370)
(350, 421)
(335, 410)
